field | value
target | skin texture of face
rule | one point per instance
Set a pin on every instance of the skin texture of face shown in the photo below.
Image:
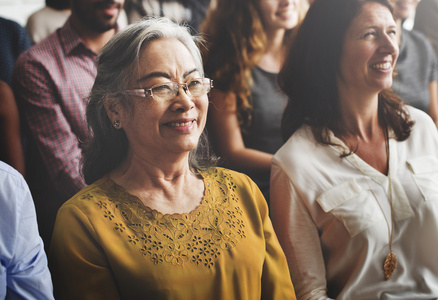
(98, 15)
(279, 14)
(369, 52)
(169, 127)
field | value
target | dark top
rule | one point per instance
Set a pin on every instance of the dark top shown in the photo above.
(416, 68)
(13, 41)
(264, 133)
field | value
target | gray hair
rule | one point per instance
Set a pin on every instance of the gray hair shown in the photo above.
(116, 62)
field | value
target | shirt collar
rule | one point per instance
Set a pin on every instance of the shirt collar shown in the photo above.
(71, 40)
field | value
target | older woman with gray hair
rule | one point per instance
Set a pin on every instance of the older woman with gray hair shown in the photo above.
(158, 220)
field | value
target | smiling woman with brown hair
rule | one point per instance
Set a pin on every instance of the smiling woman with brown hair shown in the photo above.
(247, 42)
(354, 189)
(158, 220)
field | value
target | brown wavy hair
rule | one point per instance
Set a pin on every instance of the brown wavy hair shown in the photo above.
(312, 65)
(236, 41)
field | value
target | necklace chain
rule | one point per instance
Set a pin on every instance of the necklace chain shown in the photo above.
(391, 259)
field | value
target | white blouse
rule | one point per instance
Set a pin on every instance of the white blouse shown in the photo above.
(334, 231)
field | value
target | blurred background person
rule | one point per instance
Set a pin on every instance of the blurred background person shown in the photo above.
(158, 220)
(246, 44)
(426, 21)
(190, 12)
(23, 269)
(11, 146)
(53, 15)
(416, 79)
(354, 190)
(45, 21)
(51, 81)
(13, 40)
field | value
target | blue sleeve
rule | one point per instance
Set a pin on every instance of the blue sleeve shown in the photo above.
(23, 272)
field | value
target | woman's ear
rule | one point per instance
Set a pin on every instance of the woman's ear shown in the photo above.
(113, 111)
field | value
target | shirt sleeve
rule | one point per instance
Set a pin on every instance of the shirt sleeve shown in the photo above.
(57, 144)
(23, 260)
(298, 236)
(79, 265)
(276, 282)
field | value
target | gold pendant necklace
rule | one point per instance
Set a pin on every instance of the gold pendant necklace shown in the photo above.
(391, 260)
(390, 263)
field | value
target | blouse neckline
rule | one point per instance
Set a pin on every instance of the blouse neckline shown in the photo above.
(138, 201)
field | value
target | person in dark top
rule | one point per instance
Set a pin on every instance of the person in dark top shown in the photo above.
(246, 43)
(13, 41)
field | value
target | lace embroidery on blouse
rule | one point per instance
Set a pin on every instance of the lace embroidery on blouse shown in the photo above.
(198, 237)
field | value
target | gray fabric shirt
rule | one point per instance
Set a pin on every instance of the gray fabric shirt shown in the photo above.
(426, 21)
(416, 68)
(268, 102)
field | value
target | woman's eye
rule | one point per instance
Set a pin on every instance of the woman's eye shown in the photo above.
(194, 82)
(162, 88)
(369, 34)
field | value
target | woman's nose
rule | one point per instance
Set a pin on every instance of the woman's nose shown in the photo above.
(389, 44)
(183, 101)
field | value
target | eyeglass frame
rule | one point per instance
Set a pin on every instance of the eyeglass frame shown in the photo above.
(146, 93)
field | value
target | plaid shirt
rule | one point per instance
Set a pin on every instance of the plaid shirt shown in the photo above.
(51, 81)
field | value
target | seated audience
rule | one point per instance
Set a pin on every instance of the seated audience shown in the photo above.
(416, 80)
(13, 41)
(45, 21)
(50, 82)
(246, 47)
(158, 220)
(11, 147)
(23, 269)
(354, 190)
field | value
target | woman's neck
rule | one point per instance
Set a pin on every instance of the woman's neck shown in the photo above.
(141, 171)
(362, 126)
(166, 187)
(273, 58)
(359, 115)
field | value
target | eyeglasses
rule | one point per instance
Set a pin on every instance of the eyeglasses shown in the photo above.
(168, 90)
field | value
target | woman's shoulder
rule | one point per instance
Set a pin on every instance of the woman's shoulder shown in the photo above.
(224, 174)
(226, 179)
(229, 186)
(93, 193)
(301, 156)
(422, 120)
(301, 145)
(424, 132)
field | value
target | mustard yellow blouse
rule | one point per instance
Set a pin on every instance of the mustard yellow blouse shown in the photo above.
(108, 245)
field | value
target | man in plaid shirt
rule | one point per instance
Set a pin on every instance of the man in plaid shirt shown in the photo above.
(51, 82)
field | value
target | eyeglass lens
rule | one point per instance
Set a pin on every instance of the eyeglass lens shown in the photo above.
(196, 87)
